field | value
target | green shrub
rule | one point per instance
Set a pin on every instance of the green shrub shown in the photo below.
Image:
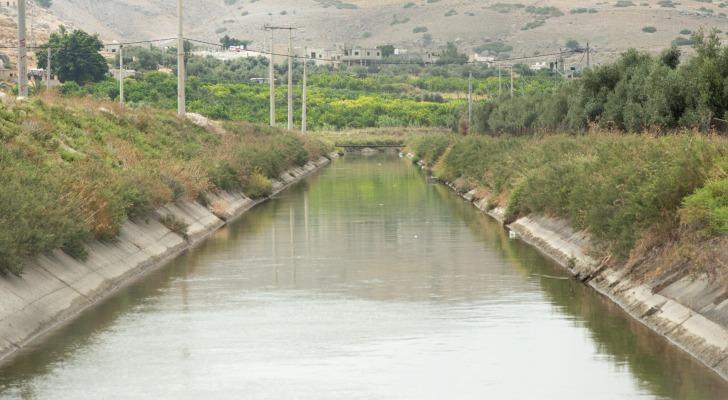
(707, 209)
(257, 186)
(616, 187)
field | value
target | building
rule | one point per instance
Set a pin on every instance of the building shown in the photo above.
(477, 58)
(361, 56)
(323, 56)
(126, 73)
(540, 66)
(431, 57)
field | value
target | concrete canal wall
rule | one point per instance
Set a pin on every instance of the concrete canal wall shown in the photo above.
(690, 312)
(55, 287)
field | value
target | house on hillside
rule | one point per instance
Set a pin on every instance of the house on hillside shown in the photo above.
(361, 56)
(477, 58)
(323, 56)
(431, 57)
(126, 73)
(538, 66)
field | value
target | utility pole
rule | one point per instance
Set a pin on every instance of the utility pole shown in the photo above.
(290, 79)
(48, 68)
(290, 73)
(500, 82)
(181, 99)
(511, 81)
(121, 74)
(304, 116)
(22, 52)
(588, 55)
(470, 101)
(272, 81)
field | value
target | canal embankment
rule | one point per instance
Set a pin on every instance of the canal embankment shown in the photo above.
(55, 287)
(96, 194)
(670, 284)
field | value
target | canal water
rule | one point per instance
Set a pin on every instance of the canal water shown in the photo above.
(363, 282)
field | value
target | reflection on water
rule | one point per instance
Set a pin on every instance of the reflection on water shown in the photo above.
(362, 283)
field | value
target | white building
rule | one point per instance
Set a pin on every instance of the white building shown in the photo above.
(361, 56)
(325, 56)
(126, 73)
(539, 66)
(477, 58)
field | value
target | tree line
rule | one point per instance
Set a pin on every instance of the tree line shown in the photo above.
(639, 92)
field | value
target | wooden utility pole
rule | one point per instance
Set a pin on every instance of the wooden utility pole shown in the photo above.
(500, 82)
(290, 79)
(470, 101)
(304, 116)
(121, 74)
(48, 68)
(588, 55)
(272, 80)
(22, 52)
(511, 81)
(290, 74)
(181, 99)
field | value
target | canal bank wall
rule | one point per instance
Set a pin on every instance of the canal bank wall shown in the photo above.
(690, 312)
(55, 287)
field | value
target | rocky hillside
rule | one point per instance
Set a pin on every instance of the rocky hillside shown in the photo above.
(527, 26)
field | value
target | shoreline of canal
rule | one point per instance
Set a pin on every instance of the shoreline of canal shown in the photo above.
(682, 311)
(55, 288)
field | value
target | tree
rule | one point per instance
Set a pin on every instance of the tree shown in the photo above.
(572, 44)
(387, 50)
(227, 42)
(671, 57)
(44, 3)
(452, 55)
(75, 56)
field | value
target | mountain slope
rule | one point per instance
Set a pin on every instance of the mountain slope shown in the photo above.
(610, 26)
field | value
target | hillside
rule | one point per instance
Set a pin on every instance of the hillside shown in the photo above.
(41, 22)
(609, 26)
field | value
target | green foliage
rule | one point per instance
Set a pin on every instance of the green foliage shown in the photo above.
(75, 56)
(257, 186)
(71, 172)
(429, 147)
(227, 41)
(707, 208)
(616, 187)
(639, 92)
(387, 50)
(335, 100)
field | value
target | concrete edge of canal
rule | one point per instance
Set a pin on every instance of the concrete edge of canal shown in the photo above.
(55, 288)
(691, 313)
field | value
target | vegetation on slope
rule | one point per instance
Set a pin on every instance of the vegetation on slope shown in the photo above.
(72, 171)
(638, 92)
(350, 98)
(620, 188)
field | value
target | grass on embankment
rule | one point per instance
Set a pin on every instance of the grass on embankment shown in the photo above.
(632, 193)
(72, 170)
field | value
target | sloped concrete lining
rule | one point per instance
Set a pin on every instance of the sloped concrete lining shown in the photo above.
(55, 287)
(691, 313)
